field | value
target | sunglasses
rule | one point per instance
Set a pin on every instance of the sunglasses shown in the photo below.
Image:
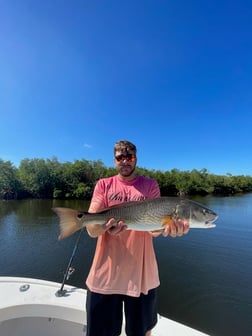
(127, 157)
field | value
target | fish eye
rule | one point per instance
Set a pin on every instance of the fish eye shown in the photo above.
(204, 211)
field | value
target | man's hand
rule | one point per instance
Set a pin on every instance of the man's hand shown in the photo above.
(113, 227)
(174, 229)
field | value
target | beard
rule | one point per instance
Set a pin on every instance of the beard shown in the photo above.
(126, 170)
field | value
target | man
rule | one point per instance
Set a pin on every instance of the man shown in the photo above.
(124, 269)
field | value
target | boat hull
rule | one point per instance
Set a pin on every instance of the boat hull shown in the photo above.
(31, 307)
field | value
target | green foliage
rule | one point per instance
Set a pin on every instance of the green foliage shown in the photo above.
(37, 177)
(50, 178)
(82, 191)
(9, 182)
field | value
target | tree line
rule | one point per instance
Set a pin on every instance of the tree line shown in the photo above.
(49, 178)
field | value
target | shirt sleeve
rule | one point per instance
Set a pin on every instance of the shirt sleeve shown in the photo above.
(154, 191)
(98, 200)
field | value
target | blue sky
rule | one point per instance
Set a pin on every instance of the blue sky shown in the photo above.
(174, 77)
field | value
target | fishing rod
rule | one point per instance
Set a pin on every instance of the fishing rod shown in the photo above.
(61, 291)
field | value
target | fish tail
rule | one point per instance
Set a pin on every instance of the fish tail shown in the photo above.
(69, 222)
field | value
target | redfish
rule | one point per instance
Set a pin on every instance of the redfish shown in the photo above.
(148, 215)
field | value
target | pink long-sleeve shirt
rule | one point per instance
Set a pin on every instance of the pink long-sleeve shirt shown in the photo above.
(124, 263)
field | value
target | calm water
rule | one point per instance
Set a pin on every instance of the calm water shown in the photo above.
(206, 276)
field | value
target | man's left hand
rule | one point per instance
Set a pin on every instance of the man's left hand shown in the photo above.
(175, 229)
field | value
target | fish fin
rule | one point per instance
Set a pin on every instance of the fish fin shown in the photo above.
(69, 221)
(167, 220)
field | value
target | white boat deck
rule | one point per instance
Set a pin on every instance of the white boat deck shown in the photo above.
(30, 307)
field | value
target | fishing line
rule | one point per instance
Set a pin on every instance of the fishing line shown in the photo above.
(61, 291)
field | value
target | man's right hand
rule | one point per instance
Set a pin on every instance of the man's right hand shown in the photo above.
(115, 228)
(111, 226)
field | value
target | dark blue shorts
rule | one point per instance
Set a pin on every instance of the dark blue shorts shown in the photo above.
(105, 313)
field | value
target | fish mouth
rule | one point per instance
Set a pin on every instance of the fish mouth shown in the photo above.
(211, 223)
